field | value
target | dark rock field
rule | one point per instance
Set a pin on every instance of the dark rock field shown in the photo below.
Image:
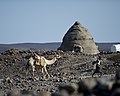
(72, 70)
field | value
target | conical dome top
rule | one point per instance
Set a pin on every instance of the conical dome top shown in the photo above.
(78, 38)
(77, 23)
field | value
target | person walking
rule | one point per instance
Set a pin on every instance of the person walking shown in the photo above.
(97, 68)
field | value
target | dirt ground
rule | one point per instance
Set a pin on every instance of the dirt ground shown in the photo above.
(70, 68)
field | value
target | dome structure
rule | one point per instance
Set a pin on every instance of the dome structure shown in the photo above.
(79, 39)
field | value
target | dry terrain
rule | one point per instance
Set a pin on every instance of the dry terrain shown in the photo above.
(70, 68)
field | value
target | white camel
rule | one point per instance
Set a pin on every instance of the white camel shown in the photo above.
(42, 62)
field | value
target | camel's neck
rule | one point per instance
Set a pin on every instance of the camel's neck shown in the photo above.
(49, 62)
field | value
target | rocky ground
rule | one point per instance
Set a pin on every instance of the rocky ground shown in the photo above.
(70, 68)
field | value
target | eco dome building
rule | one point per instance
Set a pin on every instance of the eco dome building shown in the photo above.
(78, 39)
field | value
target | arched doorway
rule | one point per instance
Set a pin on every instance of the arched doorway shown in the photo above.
(78, 49)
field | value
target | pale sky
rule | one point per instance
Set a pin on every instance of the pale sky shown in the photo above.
(41, 21)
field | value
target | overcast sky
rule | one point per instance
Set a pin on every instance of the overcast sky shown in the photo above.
(41, 21)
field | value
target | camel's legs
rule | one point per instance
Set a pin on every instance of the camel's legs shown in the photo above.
(33, 69)
(46, 71)
(43, 72)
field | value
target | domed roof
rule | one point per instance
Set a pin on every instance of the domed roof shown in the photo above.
(77, 35)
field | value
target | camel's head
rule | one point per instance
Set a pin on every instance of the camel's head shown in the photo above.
(57, 56)
(37, 57)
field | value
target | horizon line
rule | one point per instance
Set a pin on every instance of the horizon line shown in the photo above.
(53, 42)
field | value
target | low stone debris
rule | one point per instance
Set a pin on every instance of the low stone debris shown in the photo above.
(92, 87)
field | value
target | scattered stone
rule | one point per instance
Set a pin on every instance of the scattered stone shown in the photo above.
(9, 80)
(44, 93)
(67, 70)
